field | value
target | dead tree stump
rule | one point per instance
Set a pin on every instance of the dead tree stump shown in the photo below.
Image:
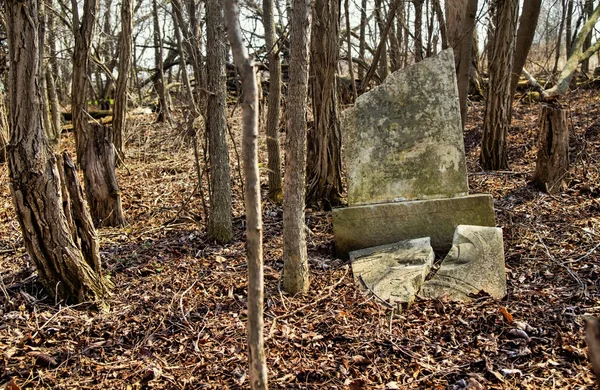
(101, 187)
(552, 163)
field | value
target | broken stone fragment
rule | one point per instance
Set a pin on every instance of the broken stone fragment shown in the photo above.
(474, 264)
(393, 272)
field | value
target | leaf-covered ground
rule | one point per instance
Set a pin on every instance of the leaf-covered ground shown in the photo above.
(178, 314)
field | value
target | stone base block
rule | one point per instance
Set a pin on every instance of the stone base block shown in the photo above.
(365, 226)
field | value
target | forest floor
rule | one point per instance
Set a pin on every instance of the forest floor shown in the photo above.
(178, 314)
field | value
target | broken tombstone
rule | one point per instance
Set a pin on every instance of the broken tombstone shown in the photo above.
(394, 272)
(474, 264)
(406, 171)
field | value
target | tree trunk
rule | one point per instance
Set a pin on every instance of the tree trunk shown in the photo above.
(465, 47)
(383, 61)
(349, 43)
(441, 22)
(4, 136)
(418, 30)
(258, 365)
(79, 93)
(35, 182)
(125, 49)
(588, 9)
(273, 113)
(362, 45)
(295, 257)
(324, 168)
(527, 24)
(159, 82)
(559, 39)
(219, 224)
(499, 99)
(101, 187)
(569, 28)
(552, 163)
(55, 121)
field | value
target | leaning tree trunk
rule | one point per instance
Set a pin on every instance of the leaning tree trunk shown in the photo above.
(295, 257)
(101, 187)
(125, 48)
(258, 365)
(552, 163)
(324, 162)
(219, 223)
(499, 99)
(35, 181)
(527, 24)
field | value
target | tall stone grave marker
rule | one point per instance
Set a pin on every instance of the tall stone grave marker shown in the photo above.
(404, 152)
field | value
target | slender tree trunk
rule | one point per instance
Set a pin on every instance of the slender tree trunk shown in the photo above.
(588, 9)
(4, 136)
(54, 107)
(35, 182)
(441, 22)
(465, 46)
(559, 39)
(324, 168)
(499, 99)
(295, 257)
(528, 23)
(552, 163)
(258, 365)
(219, 224)
(159, 83)
(383, 62)
(349, 43)
(273, 113)
(125, 49)
(569, 28)
(362, 45)
(418, 30)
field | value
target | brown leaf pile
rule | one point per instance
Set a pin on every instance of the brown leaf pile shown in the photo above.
(178, 316)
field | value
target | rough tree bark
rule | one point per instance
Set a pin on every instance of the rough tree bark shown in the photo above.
(258, 365)
(273, 110)
(125, 49)
(418, 30)
(295, 257)
(159, 82)
(499, 99)
(83, 32)
(527, 24)
(219, 224)
(324, 168)
(34, 175)
(101, 186)
(552, 162)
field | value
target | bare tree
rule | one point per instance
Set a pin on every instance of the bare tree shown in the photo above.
(219, 224)
(34, 175)
(295, 257)
(125, 49)
(258, 365)
(499, 99)
(273, 113)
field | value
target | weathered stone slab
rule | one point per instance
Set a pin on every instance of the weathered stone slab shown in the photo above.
(475, 263)
(403, 140)
(361, 227)
(394, 272)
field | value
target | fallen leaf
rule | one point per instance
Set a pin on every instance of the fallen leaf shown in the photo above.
(360, 360)
(12, 385)
(507, 316)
